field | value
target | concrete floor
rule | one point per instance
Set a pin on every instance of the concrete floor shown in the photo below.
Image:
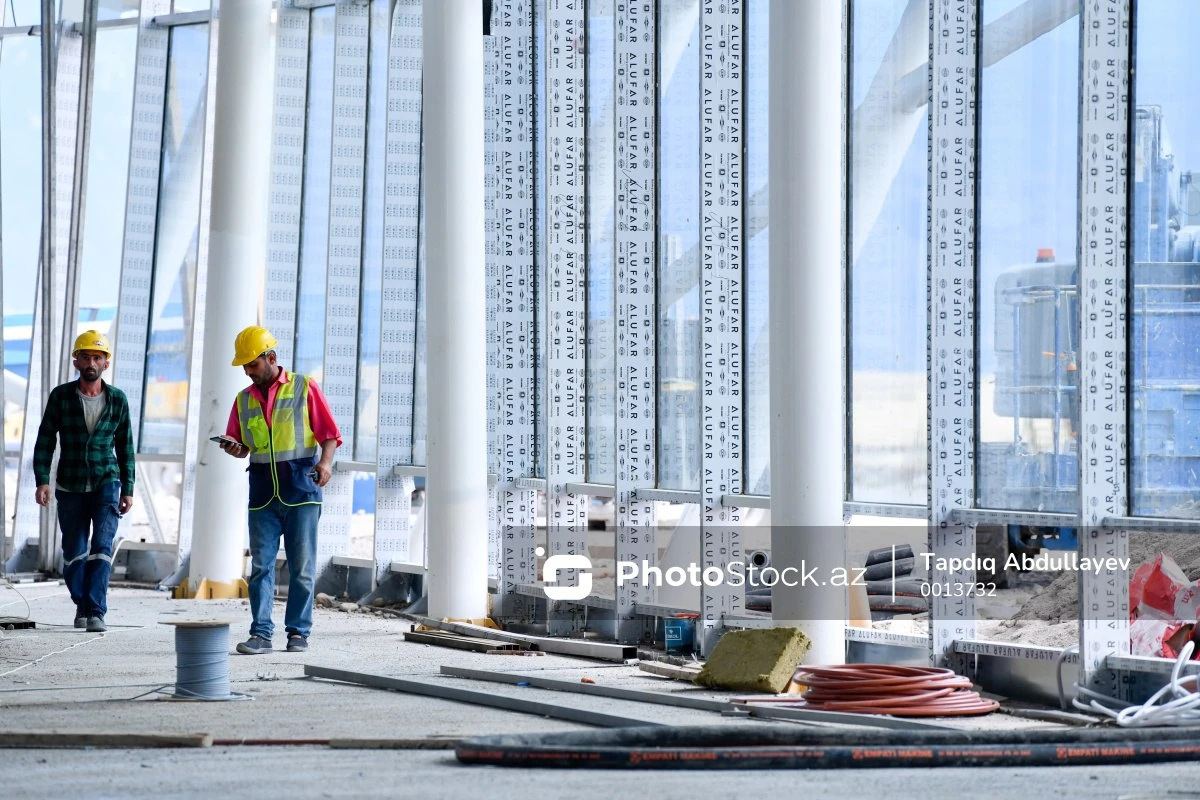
(56, 678)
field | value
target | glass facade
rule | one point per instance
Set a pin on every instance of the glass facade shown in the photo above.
(889, 127)
(601, 230)
(678, 244)
(1164, 343)
(1027, 330)
(757, 343)
(172, 300)
(1030, 354)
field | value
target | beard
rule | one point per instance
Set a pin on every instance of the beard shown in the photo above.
(90, 374)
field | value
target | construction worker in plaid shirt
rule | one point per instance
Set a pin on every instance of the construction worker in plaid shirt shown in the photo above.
(94, 483)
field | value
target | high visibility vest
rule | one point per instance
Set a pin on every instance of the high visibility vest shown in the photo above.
(283, 453)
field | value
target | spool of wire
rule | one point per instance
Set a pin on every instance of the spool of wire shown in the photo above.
(202, 660)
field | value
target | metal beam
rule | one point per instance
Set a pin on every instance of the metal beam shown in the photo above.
(600, 651)
(997, 516)
(595, 689)
(668, 496)
(746, 500)
(840, 718)
(551, 710)
(1152, 524)
(182, 18)
(591, 489)
(896, 510)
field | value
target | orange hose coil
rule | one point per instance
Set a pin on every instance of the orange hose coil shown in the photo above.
(886, 689)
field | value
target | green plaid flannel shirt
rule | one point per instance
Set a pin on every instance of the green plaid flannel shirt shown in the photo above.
(98, 458)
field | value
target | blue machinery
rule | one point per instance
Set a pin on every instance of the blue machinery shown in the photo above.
(1037, 380)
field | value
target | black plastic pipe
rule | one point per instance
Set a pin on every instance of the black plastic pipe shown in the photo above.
(742, 747)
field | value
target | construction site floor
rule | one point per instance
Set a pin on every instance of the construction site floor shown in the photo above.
(55, 678)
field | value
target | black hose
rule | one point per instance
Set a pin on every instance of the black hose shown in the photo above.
(787, 747)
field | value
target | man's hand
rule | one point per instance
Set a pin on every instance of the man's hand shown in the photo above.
(43, 494)
(322, 472)
(125, 504)
(235, 449)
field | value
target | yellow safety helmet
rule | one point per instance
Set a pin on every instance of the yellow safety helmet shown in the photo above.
(92, 340)
(251, 343)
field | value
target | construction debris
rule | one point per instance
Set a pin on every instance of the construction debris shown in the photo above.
(489, 699)
(761, 660)
(458, 642)
(671, 671)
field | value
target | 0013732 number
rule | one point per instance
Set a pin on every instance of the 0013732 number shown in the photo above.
(952, 589)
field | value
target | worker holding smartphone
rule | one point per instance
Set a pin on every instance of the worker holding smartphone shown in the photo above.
(283, 424)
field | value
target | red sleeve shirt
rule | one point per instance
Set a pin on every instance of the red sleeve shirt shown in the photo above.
(319, 416)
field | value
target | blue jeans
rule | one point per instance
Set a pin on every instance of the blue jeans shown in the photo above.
(82, 515)
(298, 526)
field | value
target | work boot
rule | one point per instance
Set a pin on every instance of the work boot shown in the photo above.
(95, 625)
(254, 646)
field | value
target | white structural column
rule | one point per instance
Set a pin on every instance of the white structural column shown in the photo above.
(722, 29)
(806, 318)
(457, 411)
(951, 289)
(193, 445)
(398, 322)
(237, 249)
(1103, 278)
(343, 282)
(566, 520)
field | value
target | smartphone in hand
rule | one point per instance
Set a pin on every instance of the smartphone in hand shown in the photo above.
(223, 440)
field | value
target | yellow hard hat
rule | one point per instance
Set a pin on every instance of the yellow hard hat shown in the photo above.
(251, 343)
(92, 340)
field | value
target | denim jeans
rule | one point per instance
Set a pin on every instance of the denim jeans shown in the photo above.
(82, 515)
(298, 527)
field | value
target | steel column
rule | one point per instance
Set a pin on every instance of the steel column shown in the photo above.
(636, 317)
(512, 31)
(565, 280)
(1103, 278)
(953, 76)
(722, 119)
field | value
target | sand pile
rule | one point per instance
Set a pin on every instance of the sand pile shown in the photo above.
(1059, 601)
